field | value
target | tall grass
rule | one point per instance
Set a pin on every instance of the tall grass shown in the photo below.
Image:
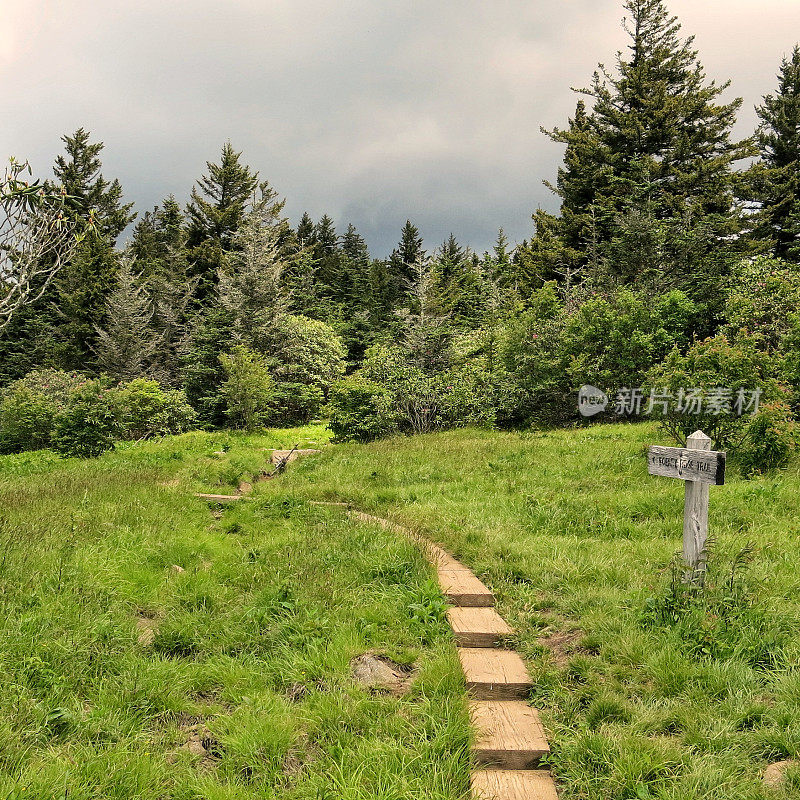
(577, 540)
(150, 648)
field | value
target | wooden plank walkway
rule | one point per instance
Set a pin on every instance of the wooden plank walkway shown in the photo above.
(478, 627)
(510, 740)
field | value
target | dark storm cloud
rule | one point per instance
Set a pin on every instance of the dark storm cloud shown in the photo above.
(370, 111)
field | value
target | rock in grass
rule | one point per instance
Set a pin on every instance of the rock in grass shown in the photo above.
(775, 774)
(381, 674)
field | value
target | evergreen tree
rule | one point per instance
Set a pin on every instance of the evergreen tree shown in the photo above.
(126, 344)
(330, 278)
(251, 286)
(218, 205)
(79, 295)
(779, 143)
(305, 231)
(92, 196)
(656, 145)
(403, 262)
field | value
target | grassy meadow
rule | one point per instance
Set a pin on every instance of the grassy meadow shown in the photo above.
(155, 646)
(646, 693)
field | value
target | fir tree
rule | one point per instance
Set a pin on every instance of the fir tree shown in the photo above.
(330, 279)
(251, 286)
(657, 145)
(305, 231)
(779, 143)
(404, 260)
(92, 196)
(218, 205)
(126, 344)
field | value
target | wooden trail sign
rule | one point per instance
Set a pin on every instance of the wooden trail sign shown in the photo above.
(700, 467)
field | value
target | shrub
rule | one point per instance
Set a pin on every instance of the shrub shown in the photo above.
(708, 367)
(608, 341)
(361, 411)
(295, 403)
(771, 438)
(308, 351)
(144, 410)
(88, 425)
(249, 389)
(26, 420)
(29, 408)
(760, 299)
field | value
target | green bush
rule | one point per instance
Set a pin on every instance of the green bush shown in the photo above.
(26, 420)
(308, 351)
(760, 300)
(609, 341)
(770, 441)
(295, 403)
(29, 408)
(708, 367)
(88, 425)
(145, 410)
(361, 411)
(249, 389)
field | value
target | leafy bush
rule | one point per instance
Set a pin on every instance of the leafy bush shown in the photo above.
(295, 403)
(361, 411)
(308, 351)
(771, 438)
(88, 425)
(26, 420)
(608, 341)
(30, 406)
(249, 389)
(709, 367)
(144, 410)
(760, 299)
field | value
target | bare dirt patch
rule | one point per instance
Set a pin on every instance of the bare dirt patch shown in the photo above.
(199, 742)
(381, 674)
(563, 645)
(146, 628)
(775, 774)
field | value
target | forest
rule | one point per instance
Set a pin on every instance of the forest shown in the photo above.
(674, 261)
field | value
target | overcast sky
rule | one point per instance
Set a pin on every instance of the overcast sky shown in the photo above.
(372, 111)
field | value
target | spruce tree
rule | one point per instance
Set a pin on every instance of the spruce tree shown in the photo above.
(403, 263)
(251, 286)
(126, 344)
(779, 142)
(330, 279)
(305, 231)
(218, 205)
(656, 145)
(91, 195)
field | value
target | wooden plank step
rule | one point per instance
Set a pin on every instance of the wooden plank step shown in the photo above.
(462, 588)
(509, 734)
(478, 627)
(221, 498)
(513, 784)
(494, 674)
(441, 559)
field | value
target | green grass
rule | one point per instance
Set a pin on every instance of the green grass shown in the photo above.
(644, 694)
(254, 613)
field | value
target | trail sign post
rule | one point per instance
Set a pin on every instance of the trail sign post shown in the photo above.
(700, 467)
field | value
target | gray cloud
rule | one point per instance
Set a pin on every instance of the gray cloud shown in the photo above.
(370, 111)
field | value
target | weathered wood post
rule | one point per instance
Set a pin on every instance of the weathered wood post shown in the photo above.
(699, 466)
(695, 509)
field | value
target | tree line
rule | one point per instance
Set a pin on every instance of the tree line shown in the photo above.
(658, 202)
